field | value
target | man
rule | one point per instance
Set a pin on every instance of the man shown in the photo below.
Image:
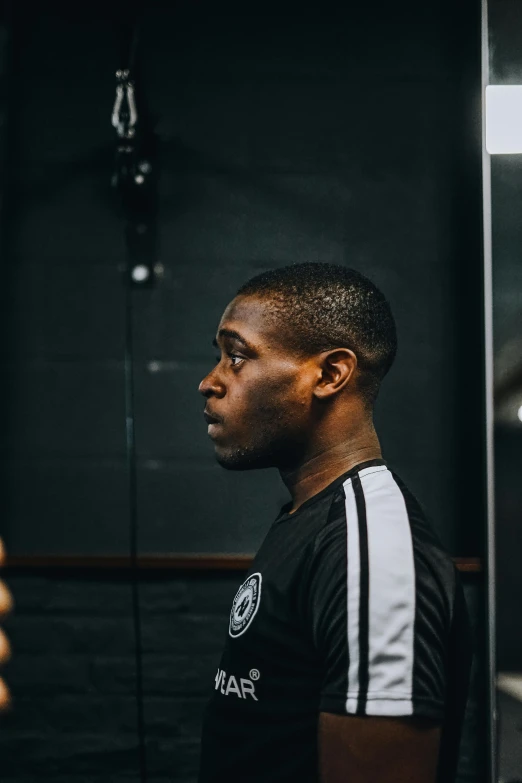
(348, 651)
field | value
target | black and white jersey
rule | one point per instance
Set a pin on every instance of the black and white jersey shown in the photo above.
(351, 606)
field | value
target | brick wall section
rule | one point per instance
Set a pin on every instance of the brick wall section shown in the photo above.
(72, 676)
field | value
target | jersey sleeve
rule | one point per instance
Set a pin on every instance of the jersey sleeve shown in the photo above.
(379, 632)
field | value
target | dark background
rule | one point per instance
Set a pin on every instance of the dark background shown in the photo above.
(348, 134)
(345, 137)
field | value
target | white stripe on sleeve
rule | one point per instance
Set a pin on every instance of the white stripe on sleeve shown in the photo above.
(391, 596)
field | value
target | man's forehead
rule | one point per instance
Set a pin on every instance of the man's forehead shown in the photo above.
(249, 318)
(244, 307)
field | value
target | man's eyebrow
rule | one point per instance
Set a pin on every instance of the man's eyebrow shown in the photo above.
(233, 335)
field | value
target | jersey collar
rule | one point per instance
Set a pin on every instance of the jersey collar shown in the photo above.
(283, 512)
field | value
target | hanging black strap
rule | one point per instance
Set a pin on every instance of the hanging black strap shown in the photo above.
(134, 182)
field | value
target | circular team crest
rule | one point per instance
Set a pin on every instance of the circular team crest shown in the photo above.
(245, 605)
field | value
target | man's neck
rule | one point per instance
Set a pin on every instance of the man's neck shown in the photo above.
(324, 466)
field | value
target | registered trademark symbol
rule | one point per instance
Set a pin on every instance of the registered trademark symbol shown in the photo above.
(254, 674)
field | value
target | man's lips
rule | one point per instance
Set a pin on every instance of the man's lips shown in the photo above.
(210, 419)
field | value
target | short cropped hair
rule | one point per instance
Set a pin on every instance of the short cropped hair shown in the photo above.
(319, 306)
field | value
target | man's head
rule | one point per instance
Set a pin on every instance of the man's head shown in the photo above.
(301, 345)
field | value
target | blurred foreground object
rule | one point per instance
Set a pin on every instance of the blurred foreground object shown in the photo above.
(6, 605)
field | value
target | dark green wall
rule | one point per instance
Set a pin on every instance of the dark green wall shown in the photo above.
(350, 137)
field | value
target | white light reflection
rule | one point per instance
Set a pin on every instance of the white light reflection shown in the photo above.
(504, 119)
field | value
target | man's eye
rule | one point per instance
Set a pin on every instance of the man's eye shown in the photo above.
(232, 356)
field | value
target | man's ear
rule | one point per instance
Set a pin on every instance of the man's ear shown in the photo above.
(338, 368)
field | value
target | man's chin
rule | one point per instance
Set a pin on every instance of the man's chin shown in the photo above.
(241, 460)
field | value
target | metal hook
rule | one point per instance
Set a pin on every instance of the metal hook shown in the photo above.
(124, 121)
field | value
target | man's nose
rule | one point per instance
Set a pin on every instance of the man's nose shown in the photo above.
(210, 385)
(204, 386)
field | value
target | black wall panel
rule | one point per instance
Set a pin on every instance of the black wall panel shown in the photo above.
(56, 309)
(196, 503)
(62, 441)
(65, 505)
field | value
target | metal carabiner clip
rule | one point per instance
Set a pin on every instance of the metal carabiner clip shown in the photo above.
(124, 112)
